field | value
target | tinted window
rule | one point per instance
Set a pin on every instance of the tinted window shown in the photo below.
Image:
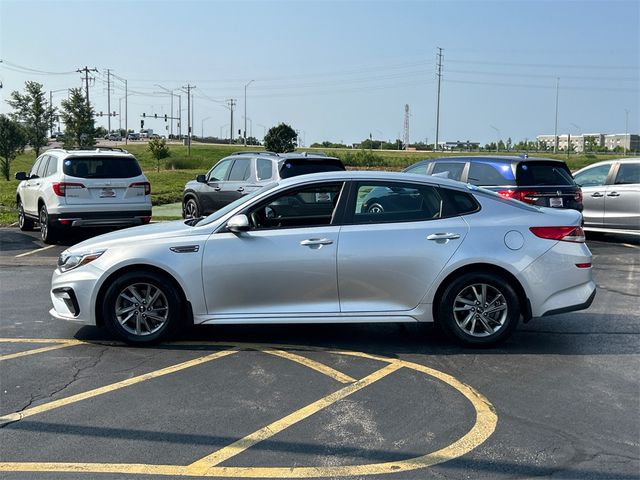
(240, 170)
(594, 176)
(34, 169)
(42, 167)
(301, 166)
(264, 169)
(542, 173)
(302, 207)
(452, 169)
(488, 174)
(218, 172)
(52, 166)
(628, 173)
(420, 169)
(101, 167)
(458, 203)
(381, 202)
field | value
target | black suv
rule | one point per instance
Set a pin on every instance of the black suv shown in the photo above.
(244, 172)
(539, 181)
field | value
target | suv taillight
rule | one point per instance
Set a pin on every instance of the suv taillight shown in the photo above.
(146, 185)
(564, 234)
(527, 196)
(578, 197)
(60, 188)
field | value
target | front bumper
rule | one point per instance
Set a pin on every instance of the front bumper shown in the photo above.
(73, 294)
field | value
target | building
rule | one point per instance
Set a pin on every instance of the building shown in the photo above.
(591, 141)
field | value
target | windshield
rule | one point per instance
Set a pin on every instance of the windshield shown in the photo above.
(228, 208)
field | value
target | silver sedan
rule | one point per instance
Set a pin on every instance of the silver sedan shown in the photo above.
(307, 250)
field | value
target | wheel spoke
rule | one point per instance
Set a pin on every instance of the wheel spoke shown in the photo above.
(122, 311)
(151, 299)
(486, 325)
(466, 321)
(497, 308)
(135, 294)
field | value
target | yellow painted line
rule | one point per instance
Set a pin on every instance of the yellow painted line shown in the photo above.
(201, 466)
(307, 362)
(45, 407)
(41, 340)
(37, 350)
(34, 251)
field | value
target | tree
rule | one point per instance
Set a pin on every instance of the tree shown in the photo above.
(34, 113)
(159, 149)
(78, 119)
(280, 139)
(12, 141)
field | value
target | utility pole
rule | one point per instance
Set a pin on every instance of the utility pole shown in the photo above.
(188, 91)
(180, 116)
(439, 75)
(109, 99)
(555, 134)
(232, 103)
(245, 112)
(626, 131)
(86, 71)
(50, 105)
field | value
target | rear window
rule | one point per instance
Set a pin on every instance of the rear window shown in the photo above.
(543, 173)
(301, 166)
(101, 167)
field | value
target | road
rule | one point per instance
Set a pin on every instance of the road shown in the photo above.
(558, 400)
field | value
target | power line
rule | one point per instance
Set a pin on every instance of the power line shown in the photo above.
(545, 65)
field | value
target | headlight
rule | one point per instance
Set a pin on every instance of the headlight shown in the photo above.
(69, 261)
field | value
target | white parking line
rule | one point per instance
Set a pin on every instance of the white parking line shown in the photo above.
(35, 251)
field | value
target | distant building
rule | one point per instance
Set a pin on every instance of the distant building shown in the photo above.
(458, 145)
(591, 141)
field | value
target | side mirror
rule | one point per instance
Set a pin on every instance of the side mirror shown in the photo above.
(201, 179)
(21, 176)
(238, 223)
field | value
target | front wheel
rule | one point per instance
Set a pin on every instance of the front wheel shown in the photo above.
(191, 209)
(142, 308)
(479, 309)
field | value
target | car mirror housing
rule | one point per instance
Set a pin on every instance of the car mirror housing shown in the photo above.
(238, 223)
(201, 179)
(21, 176)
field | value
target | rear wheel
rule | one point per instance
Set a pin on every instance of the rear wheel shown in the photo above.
(24, 223)
(48, 232)
(142, 308)
(479, 309)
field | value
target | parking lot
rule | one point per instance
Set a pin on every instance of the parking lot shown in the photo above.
(558, 400)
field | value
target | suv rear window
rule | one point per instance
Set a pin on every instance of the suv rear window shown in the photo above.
(301, 166)
(101, 167)
(543, 173)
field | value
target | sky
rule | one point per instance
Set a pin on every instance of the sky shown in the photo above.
(338, 71)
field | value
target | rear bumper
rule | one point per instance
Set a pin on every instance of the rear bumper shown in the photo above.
(102, 219)
(572, 308)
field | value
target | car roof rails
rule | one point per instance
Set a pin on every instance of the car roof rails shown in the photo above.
(317, 154)
(115, 149)
(257, 152)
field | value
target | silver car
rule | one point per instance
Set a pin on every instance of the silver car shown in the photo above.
(611, 195)
(304, 250)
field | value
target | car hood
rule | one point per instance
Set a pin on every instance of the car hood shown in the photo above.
(135, 235)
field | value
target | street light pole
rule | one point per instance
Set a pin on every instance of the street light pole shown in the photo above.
(498, 132)
(245, 111)
(202, 127)
(626, 131)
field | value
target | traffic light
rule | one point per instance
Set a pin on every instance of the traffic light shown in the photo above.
(114, 113)
(141, 123)
(100, 113)
(144, 115)
(155, 115)
(165, 117)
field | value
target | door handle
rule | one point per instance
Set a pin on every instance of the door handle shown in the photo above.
(613, 194)
(316, 242)
(240, 189)
(597, 195)
(443, 236)
(217, 189)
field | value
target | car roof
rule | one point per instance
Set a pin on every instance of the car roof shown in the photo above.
(99, 151)
(491, 158)
(609, 162)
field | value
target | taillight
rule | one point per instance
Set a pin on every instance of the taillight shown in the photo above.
(564, 234)
(578, 196)
(60, 188)
(146, 185)
(527, 196)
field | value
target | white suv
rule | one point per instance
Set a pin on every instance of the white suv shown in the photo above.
(82, 188)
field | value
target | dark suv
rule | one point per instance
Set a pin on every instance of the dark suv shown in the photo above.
(244, 172)
(538, 181)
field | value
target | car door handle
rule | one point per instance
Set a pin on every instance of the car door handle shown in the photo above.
(443, 236)
(613, 194)
(217, 189)
(240, 189)
(315, 242)
(597, 195)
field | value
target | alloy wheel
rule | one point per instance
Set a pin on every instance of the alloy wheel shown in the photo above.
(142, 309)
(480, 310)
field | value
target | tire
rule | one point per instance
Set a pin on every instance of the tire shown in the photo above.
(48, 232)
(191, 209)
(479, 309)
(142, 308)
(375, 208)
(25, 224)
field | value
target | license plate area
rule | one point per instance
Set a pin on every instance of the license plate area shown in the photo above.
(107, 193)
(556, 202)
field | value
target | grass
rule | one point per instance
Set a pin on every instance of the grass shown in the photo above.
(175, 171)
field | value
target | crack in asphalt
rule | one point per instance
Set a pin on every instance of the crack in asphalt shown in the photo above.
(619, 292)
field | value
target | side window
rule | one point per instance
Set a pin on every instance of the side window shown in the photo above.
(218, 173)
(593, 177)
(628, 173)
(264, 168)
(382, 202)
(302, 207)
(485, 174)
(52, 167)
(34, 169)
(42, 168)
(241, 170)
(419, 169)
(452, 169)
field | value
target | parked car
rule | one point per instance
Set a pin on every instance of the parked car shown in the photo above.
(244, 172)
(302, 251)
(133, 136)
(82, 188)
(113, 137)
(611, 191)
(538, 181)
